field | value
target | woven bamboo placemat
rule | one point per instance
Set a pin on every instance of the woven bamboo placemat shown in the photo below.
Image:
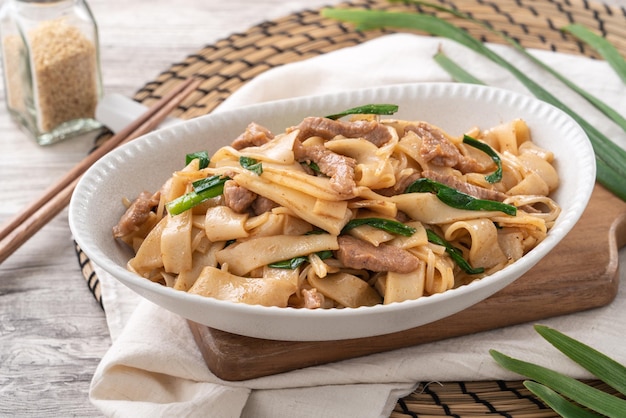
(232, 62)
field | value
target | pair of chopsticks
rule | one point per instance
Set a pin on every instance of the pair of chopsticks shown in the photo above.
(30, 220)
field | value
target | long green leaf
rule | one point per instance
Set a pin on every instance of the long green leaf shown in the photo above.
(611, 113)
(606, 151)
(387, 225)
(558, 403)
(588, 396)
(600, 365)
(601, 45)
(369, 109)
(457, 72)
(457, 199)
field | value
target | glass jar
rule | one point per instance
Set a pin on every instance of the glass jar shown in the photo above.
(51, 67)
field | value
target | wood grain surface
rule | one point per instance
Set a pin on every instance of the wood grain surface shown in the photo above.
(580, 273)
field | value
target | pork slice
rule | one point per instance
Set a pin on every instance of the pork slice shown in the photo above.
(358, 254)
(255, 135)
(237, 198)
(439, 150)
(262, 204)
(467, 188)
(372, 131)
(136, 214)
(339, 168)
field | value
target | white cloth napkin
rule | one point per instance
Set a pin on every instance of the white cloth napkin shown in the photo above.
(155, 369)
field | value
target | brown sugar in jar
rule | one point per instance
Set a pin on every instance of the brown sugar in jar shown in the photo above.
(51, 66)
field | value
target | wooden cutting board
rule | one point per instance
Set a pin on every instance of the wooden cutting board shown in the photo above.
(579, 274)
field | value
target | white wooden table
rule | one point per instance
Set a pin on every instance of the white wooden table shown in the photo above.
(52, 332)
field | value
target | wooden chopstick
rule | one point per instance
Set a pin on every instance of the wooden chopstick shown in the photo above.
(30, 220)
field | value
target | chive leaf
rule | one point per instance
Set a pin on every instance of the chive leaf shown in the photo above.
(207, 183)
(571, 388)
(455, 253)
(388, 225)
(202, 156)
(251, 164)
(457, 72)
(369, 109)
(495, 176)
(558, 403)
(600, 365)
(605, 48)
(457, 199)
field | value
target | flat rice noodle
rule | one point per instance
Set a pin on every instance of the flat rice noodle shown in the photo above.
(148, 256)
(278, 150)
(299, 203)
(243, 257)
(346, 289)
(427, 208)
(368, 233)
(187, 278)
(176, 242)
(484, 248)
(221, 223)
(404, 286)
(418, 238)
(532, 184)
(373, 168)
(266, 291)
(315, 186)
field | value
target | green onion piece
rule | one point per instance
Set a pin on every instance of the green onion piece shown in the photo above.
(296, 262)
(370, 109)
(601, 45)
(497, 175)
(251, 164)
(388, 225)
(194, 198)
(203, 156)
(455, 253)
(457, 199)
(207, 183)
(600, 365)
(457, 72)
(579, 392)
(607, 152)
(558, 403)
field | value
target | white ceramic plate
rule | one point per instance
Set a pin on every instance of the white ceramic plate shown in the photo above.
(147, 162)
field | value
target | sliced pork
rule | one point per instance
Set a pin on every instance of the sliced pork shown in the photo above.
(237, 198)
(255, 135)
(439, 150)
(328, 129)
(358, 254)
(338, 167)
(136, 214)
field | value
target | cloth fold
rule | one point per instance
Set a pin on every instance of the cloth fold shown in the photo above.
(154, 367)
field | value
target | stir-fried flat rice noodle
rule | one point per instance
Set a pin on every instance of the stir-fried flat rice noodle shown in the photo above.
(345, 213)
